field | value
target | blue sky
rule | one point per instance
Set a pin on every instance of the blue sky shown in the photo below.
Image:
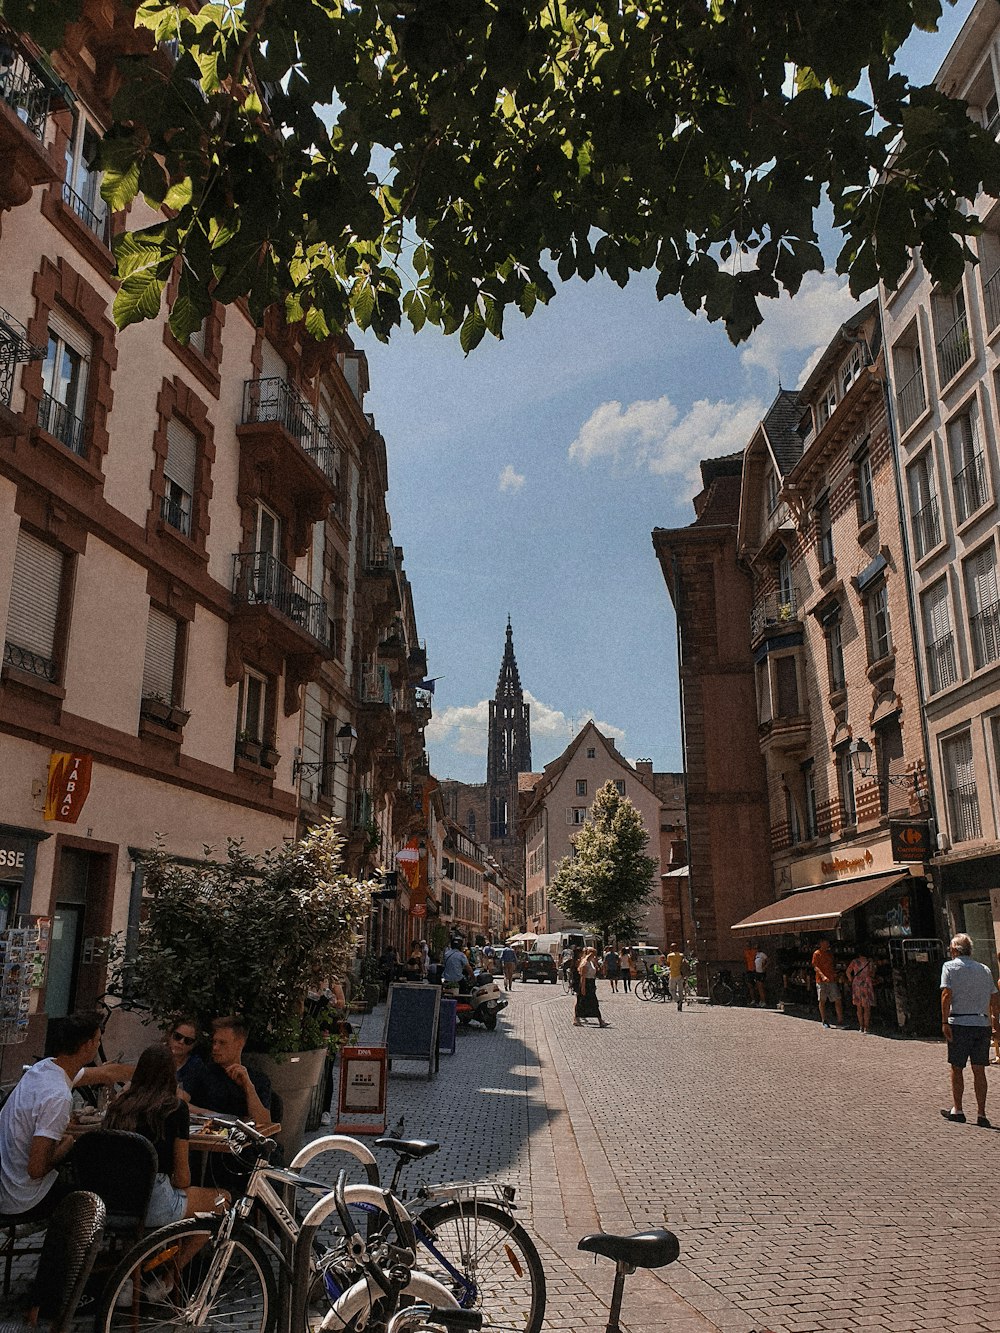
(528, 477)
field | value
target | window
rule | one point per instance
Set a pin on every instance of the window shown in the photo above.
(888, 751)
(809, 790)
(581, 786)
(592, 753)
(267, 532)
(968, 467)
(773, 488)
(835, 655)
(620, 786)
(911, 394)
(845, 789)
(984, 605)
(197, 340)
(179, 471)
(951, 330)
(824, 530)
(877, 620)
(851, 369)
(939, 640)
(160, 662)
(32, 638)
(991, 115)
(763, 693)
(65, 372)
(786, 593)
(923, 504)
(82, 185)
(960, 787)
(826, 406)
(866, 488)
(576, 814)
(786, 685)
(792, 819)
(254, 707)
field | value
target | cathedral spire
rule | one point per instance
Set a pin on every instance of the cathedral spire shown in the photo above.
(509, 751)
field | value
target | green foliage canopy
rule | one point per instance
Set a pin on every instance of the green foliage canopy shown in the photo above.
(250, 935)
(472, 151)
(610, 879)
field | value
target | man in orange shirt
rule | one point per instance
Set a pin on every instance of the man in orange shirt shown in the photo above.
(826, 982)
(750, 968)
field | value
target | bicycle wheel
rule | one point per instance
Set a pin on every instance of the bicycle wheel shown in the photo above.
(722, 993)
(504, 1278)
(149, 1293)
(644, 989)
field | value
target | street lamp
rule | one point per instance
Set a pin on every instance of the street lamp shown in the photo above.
(347, 739)
(861, 761)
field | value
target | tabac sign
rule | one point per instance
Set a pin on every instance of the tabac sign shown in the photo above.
(911, 839)
(69, 785)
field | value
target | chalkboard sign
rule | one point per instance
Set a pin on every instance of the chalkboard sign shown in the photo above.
(411, 1024)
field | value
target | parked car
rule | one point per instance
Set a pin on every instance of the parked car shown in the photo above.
(539, 967)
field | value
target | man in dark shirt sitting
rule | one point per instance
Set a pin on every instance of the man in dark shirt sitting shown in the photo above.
(225, 1085)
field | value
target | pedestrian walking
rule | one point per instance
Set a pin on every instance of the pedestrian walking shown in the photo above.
(586, 992)
(675, 971)
(827, 988)
(626, 964)
(760, 978)
(508, 961)
(970, 1007)
(750, 969)
(612, 968)
(861, 975)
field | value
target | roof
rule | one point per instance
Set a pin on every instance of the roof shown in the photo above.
(781, 426)
(816, 909)
(558, 766)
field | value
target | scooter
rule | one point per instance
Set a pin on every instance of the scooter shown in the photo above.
(480, 1000)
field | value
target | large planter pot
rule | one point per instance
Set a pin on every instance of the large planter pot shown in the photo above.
(293, 1078)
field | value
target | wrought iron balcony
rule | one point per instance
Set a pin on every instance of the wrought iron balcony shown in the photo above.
(58, 420)
(926, 527)
(259, 579)
(991, 295)
(375, 685)
(380, 560)
(971, 490)
(775, 610)
(954, 349)
(422, 705)
(963, 813)
(24, 90)
(985, 630)
(98, 222)
(23, 659)
(15, 348)
(911, 400)
(174, 514)
(275, 400)
(941, 665)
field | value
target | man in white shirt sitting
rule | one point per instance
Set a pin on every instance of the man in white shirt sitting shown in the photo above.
(35, 1129)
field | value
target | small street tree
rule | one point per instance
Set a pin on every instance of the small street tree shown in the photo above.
(609, 880)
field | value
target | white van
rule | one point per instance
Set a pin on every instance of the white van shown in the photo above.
(564, 939)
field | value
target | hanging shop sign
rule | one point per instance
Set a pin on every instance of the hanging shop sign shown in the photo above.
(911, 839)
(69, 785)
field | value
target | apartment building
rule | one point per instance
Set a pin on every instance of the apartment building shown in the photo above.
(943, 365)
(207, 628)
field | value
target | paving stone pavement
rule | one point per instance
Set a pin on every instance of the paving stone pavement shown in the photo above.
(807, 1173)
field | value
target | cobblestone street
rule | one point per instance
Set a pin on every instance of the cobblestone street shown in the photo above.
(808, 1174)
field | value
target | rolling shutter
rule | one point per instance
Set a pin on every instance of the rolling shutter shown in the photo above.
(33, 613)
(182, 456)
(161, 655)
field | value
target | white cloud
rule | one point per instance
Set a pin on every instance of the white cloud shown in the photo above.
(652, 433)
(799, 324)
(511, 480)
(463, 729)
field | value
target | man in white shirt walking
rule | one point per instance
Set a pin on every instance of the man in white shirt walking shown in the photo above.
(970, 1007)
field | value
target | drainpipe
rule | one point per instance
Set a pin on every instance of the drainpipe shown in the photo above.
(684, 755)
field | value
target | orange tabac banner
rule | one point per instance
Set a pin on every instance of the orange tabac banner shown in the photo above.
(69, 784)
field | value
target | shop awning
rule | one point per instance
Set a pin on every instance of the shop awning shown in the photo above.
(815, 909)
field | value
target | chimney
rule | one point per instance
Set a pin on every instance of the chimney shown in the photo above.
(644, 766)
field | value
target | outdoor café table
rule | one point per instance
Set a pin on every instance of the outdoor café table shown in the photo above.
(204, 1141)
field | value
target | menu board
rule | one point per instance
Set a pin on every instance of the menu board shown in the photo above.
(23, 951)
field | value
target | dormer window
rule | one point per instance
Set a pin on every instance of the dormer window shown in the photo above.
(851, 369)
(826, 405)
(772, 491)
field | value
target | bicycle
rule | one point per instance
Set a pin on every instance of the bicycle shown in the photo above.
(726, 990)
(653, 986)
(222, 1269)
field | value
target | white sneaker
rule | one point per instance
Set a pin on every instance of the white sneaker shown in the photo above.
(325, 1118)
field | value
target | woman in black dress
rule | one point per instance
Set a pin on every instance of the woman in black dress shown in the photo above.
(586, 990)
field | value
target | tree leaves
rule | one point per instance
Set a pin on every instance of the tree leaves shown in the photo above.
(507, 144)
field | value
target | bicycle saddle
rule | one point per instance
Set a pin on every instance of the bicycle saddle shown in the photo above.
(409, 1147)
(646, 1249)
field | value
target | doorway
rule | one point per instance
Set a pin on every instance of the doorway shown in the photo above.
(80, 915)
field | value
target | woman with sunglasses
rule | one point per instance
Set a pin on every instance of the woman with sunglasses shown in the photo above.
(181, 1039)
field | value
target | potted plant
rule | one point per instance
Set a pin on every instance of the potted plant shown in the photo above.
(156, 707)
(269, 756)
(248, 747)
(253, 935)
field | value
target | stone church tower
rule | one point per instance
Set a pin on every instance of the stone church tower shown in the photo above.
(509, 751)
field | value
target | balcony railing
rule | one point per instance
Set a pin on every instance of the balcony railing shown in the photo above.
(22, 659)
(971, 491)
(15, 348)
(98, 223)
(941, 666)
(926, 527)
(911, 400)
(991, 294)
(985, 630)
(380, 560)
(375, 685)
(777, 608)
(58, 420)
(260, 579)
(963, 813)
(174, 514)
(273, 399)
(953, 349)
(24, 91)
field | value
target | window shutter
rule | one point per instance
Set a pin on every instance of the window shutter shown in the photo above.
(936, 618)
(161, 654)
(182, 456)
(981, 576)
(33, 612)
(197, 338)
(71, 334)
